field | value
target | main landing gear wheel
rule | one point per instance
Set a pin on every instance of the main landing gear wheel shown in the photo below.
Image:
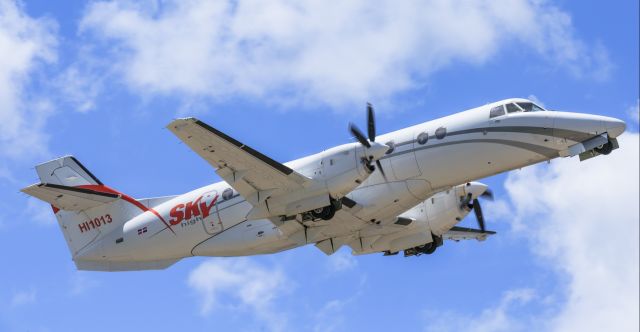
(325, 213)
(429, 248)
(605, 148)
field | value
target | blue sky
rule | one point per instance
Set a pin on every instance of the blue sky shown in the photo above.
(100, 80)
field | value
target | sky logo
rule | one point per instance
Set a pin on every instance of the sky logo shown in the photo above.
(200, 207)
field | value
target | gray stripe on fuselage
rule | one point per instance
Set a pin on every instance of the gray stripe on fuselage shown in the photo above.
(577, 136)
(547, 152)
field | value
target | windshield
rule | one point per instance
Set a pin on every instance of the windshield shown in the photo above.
(530, 107)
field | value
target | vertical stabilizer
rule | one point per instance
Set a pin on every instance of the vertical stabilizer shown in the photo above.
(85, 208)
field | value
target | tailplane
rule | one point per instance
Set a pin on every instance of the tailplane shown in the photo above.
(86, 209)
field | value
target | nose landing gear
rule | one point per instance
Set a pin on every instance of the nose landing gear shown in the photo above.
(605, 149)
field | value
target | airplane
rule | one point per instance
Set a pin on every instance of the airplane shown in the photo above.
(404, 191)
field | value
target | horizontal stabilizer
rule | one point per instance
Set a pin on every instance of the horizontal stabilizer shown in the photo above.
(458, 233)
(69, 198)
(124, 266)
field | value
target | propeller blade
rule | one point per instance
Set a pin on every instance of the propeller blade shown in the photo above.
(371, 123)
(478, 211)
(381, 170)
(488, 194)
(359, 135)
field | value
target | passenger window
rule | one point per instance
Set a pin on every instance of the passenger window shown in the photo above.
(441, 132)
(423, 138)
(512, 108)
(496, 111)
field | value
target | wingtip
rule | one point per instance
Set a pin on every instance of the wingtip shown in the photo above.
(177, 122)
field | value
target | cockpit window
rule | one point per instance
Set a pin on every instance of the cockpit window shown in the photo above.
(512, 108)
(496, 111)
(530, 107)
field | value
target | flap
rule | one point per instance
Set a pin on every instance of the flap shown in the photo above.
(328, 246)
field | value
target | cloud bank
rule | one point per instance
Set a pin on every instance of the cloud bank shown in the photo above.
(243, 283)
(582, 220)
(26, 44)
(336, 54)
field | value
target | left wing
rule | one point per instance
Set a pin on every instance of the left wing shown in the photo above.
(251, 173)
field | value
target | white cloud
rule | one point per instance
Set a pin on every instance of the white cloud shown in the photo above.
(536, 100)
(23, 298)
(79, 87)
(332, 316)
(583, 219)
(494, 319)
(39, 213)
(25, 44)
(341, 261)
(242, 282)
(81, 282)
(339, 54)
(634, 112)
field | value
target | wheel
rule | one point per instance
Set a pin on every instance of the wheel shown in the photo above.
(325, 213)
(429, 248)
(605, 148)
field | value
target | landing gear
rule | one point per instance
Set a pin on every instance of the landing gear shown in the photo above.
(605, 148)
(425, 249)
(324, 213)
(429, 248)
(327, 212)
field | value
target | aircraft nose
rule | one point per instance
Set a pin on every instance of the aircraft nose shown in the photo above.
(580, 126)
(476, 189)
(615, 127)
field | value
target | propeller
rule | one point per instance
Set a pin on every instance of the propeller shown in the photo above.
(488, 194)
(474, 204)
(367, 141)
(478, 212)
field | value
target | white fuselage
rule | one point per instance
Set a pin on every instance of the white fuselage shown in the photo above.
(425, 159)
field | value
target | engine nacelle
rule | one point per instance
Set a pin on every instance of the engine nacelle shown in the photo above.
(344, 168)
(442, 211)
(434, 217)
(337, 172)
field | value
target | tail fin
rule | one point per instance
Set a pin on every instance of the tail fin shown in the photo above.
(66, 171)
(89, 213)
(86, 210)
